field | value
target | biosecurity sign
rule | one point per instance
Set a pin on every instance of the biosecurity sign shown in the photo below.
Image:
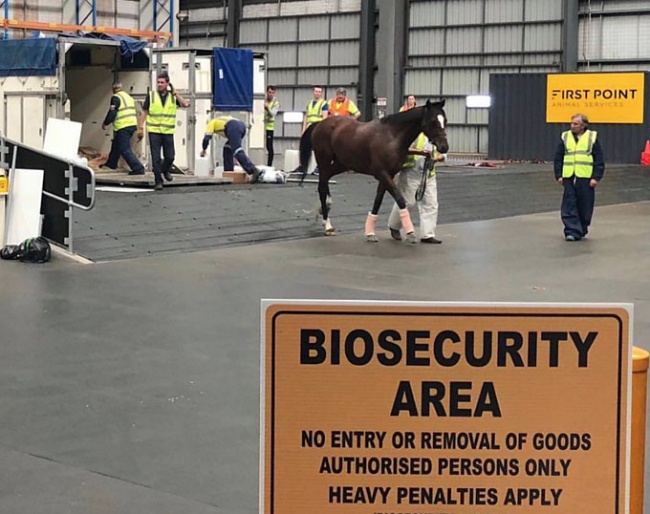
(373, 408)
(603, 97)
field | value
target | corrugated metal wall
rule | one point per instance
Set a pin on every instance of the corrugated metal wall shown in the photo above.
(455, 45)
(518, 128)
(614, 35)
(314, 42)
(206, 24)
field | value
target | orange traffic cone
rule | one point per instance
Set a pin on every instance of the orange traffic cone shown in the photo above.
(645, 155)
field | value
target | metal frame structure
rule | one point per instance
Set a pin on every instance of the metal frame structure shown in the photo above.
(81, 19)
(163, 9)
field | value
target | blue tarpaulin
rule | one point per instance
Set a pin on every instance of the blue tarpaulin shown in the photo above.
(38, 56)
(233, 79)
(28, 57)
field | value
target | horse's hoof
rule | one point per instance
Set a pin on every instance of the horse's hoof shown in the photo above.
(411, 239)
(330, 232)
(372, 238)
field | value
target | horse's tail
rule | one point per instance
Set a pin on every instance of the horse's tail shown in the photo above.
(305, 150)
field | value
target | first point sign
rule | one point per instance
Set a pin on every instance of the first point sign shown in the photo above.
(375, 407)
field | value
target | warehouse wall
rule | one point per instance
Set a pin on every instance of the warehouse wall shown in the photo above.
(307, 43)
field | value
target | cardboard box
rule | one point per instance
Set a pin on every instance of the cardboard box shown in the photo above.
(238, 177)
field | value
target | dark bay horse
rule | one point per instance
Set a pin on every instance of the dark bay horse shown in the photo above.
(378, 148)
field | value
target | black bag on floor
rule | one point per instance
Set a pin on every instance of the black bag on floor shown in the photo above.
(34, 249)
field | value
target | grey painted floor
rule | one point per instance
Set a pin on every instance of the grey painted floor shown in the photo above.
(132, 386)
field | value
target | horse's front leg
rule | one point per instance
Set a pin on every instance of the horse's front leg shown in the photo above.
(325, 201)
(405, 216)
(371, 220)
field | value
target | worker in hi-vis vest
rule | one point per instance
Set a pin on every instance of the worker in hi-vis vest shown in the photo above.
(341, 105)
(419, 172)
(159, 110)
(271, 108)
(579, 166)
(316, 111)
(122, 115)
(234, 131)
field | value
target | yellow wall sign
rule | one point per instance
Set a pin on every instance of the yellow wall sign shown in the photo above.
(379, 407)
(603, 97)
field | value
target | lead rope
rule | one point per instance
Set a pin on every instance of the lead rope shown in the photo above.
(428, 166)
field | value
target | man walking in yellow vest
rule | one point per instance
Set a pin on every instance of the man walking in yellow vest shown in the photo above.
(579, 166)
(271, 108)
(159, 109)
(124, 119)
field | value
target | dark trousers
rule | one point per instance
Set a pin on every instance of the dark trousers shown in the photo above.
(164, 142)
(577, 206)
(121, 147)
(269, 147)
(235, 130)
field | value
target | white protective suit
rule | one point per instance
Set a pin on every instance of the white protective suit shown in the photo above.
(408, 181)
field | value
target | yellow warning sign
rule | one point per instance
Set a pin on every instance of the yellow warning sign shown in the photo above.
(379, 407)
(603, 97)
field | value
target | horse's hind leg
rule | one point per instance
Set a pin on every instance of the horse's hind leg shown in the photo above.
(371, 220)
(325, 199)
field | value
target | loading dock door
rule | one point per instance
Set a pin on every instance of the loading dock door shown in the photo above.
(25, 118)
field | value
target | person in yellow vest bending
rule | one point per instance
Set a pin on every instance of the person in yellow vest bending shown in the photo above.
(579, 165)
(234, 131)
(125, 121)
(159, 110)
(341, 105)
(417, 172)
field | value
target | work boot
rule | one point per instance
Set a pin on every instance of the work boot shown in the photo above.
(158, 186)
(256, 175)
(168, 176)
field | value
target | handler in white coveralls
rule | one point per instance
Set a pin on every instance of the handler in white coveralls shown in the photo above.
(408, 181)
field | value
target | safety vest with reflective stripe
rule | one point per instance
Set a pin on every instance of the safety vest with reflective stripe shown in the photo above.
(218, 126)
(578, 159)
(269, 117)
(161, 119)
(315, 111)
(419, 145)
(339, 109)
(126, 112)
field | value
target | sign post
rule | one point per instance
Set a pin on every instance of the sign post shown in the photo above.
(373, 407)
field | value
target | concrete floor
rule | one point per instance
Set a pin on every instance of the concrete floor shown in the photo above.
(133, 386)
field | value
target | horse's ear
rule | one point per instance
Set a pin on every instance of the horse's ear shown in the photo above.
(428, 104)
(442, 102)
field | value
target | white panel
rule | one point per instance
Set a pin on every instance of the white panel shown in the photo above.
(427, 14)
(280, 56)
(456, 82)
(344, 53)
(462, 139)
(477, 116)
(24, 212)
(181, 139)
(312, 54)
(426, 42)
(252, 31)
(463, 40)
(210, 14)
(422, 82)
(345, 27)
(14, 118)
(465, 12)
(62, 137)
(343, 77)
(283, 30)
(312, 77)
(503, 39)
(282, 77)
(545, 10)
(498, 11)
(313, 28)
(625, 37)
(543, 37)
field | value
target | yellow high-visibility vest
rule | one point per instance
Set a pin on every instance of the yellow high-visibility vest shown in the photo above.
(218, 126)
(315, 111)
(161, 119)
(269, 119)
(578, 159)
(419, 145)
(126, 112)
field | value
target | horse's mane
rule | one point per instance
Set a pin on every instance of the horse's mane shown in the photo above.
(417, 113)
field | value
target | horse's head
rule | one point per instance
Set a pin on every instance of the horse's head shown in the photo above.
(434, 123)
